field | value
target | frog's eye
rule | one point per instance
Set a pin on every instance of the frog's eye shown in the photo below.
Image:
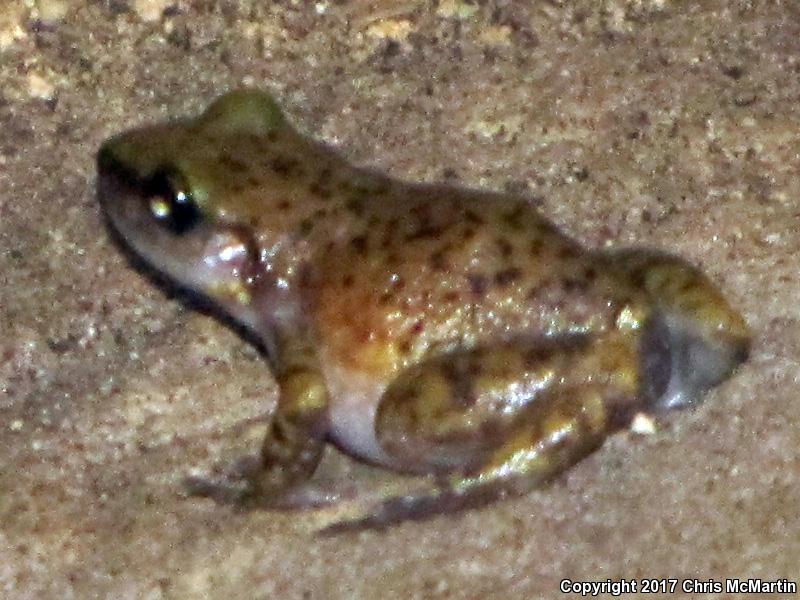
(171, 203)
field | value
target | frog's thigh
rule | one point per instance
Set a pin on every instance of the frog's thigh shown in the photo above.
(449, 413)
(445, 413)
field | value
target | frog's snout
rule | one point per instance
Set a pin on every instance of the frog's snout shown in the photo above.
(680, 363)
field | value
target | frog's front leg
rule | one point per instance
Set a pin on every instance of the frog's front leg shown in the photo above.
(501, 419)
(295, 438)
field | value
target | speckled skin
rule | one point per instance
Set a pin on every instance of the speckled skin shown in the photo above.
(428, 328)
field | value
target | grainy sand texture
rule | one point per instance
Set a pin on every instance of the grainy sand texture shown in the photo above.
(669, 123)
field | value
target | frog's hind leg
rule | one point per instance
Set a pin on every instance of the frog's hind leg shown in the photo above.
(499, 420)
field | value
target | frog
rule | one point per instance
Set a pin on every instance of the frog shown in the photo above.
(434, 330)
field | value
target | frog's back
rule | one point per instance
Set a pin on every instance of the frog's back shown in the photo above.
(439, 267)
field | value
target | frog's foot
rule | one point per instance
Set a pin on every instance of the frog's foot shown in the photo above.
(498, 421)
(417, 506)
(278, 478)
(239, 487)
(229, 487)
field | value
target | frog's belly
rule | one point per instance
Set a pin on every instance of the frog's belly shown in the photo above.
(354, 399)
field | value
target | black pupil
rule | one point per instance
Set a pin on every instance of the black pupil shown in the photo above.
(181, 214)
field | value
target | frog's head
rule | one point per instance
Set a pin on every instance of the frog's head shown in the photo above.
(172, 197)
(693, 340)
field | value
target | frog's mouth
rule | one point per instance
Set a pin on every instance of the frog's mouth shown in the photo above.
(679, 364)
(217, 260)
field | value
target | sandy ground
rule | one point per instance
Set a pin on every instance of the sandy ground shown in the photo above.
(668, 123)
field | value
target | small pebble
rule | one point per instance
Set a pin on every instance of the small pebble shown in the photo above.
(643, 424)
(150, 10)
(39, 87)
(50, 11)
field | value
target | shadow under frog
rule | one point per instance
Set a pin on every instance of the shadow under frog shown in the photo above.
(436, 330)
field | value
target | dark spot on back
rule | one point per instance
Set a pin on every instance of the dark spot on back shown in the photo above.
(572, 285)
(359, 244)
(567, 252)
(253, 140)
(535, 291)
(513, 218)
(437, 261)
(451, 296)
(536, 247)
(348, 280)
(232, 163)
(366, 187)
(305, 227)
(472, 217)
(507, 276)
(637, 278)
(425, 231)
(356, 206)
(319, 190)
(381, 189)
(478, 284)
(504, 247)
(421, 213)
(285, 166)
(388, 233)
